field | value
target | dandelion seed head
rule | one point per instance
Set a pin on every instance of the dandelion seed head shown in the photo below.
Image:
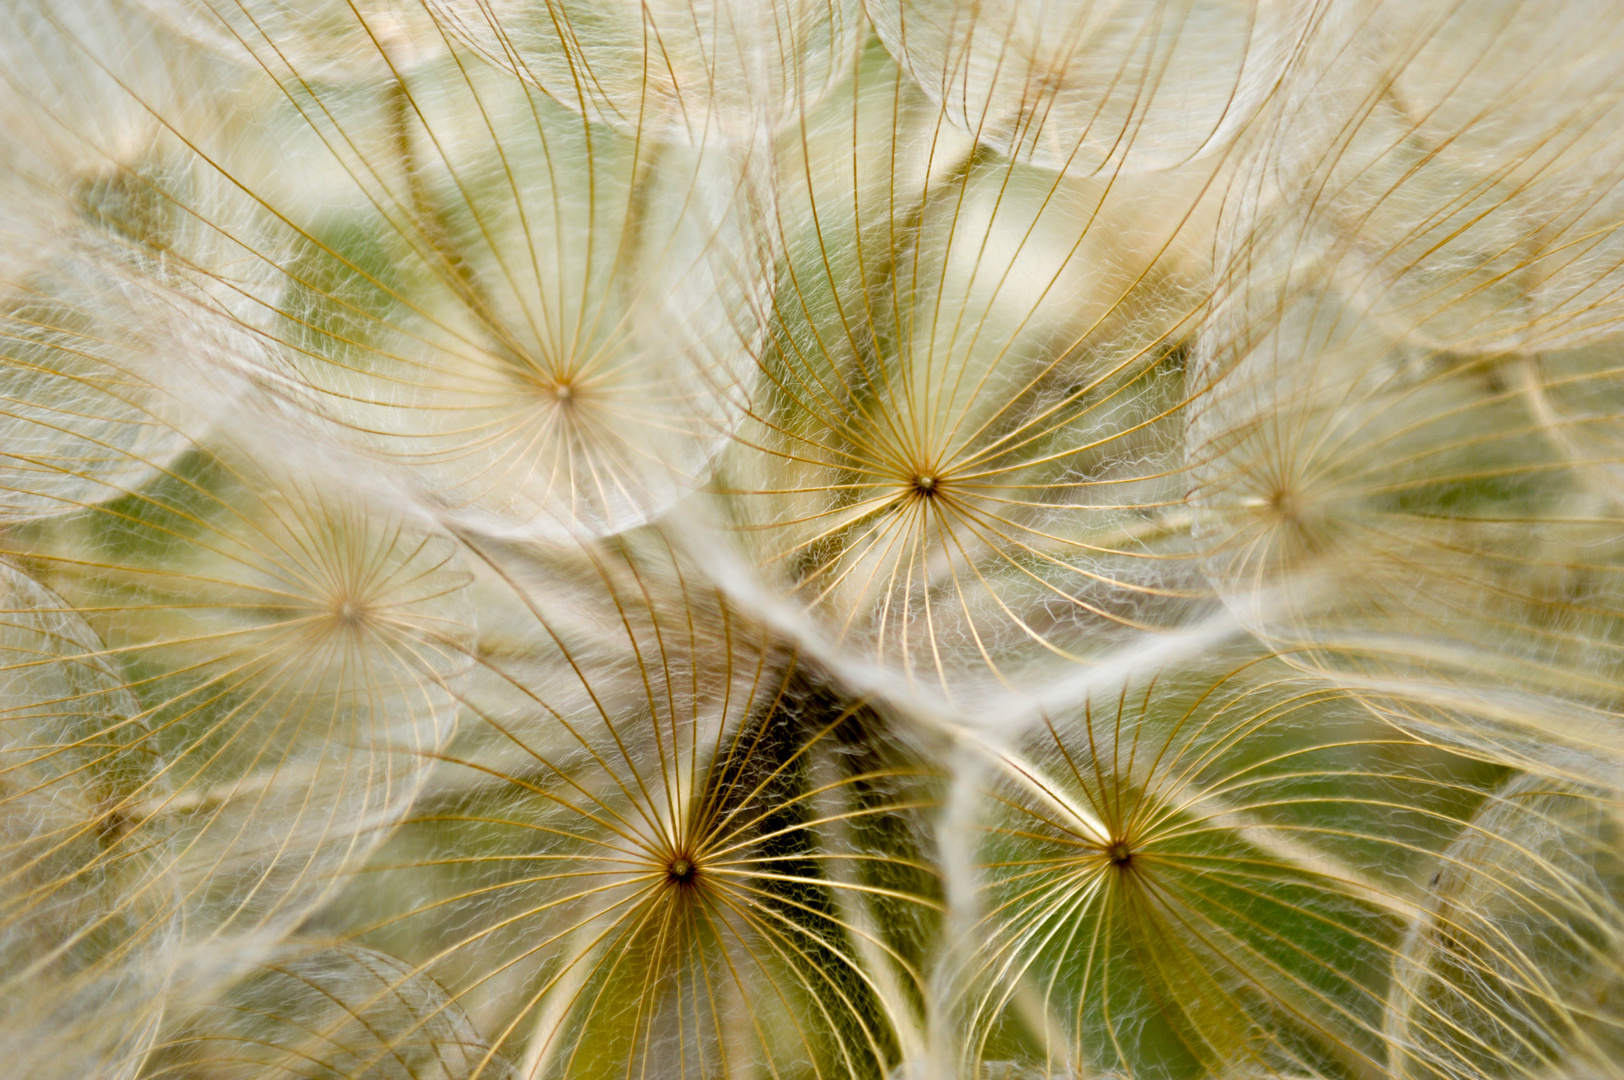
(960, 482)
(681, 845)
(811, 538)
(1120, 854)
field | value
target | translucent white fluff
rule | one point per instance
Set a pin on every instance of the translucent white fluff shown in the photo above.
(700, 68)
(1094, 85)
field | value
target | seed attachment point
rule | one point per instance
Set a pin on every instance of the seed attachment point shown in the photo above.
(350, 612)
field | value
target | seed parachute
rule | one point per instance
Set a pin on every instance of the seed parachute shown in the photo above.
(812, 539)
